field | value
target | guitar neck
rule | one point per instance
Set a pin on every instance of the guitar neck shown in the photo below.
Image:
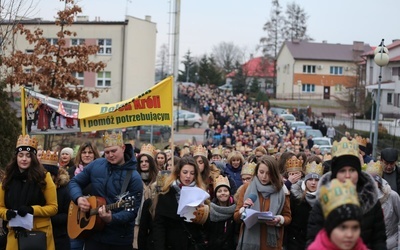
(95, 211)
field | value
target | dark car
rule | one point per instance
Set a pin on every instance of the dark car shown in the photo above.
(154, 133)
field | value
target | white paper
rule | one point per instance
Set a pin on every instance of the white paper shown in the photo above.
(189, 199)
(254, 216)
(25, 222)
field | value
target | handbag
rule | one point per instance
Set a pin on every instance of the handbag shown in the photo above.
(32, 240)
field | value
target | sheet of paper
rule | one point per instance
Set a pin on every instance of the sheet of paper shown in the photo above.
(189, 199)
(254, 216)
(25, 222)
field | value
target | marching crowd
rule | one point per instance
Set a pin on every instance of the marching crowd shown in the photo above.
(251, 161)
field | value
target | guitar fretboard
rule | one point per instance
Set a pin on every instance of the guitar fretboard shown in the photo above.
(95, 211)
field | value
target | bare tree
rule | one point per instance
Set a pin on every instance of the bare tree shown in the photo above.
(52, 67)
(226, 54)
(162, 65)
(295, 23)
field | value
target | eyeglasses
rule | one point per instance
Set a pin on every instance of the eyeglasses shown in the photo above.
(246, 179)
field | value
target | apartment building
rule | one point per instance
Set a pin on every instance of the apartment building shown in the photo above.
(309, 70)
(127, 47)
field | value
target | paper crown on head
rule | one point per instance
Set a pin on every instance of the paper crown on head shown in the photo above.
(361, 141)
(185, 151)
(149, 150)
(337, 194)
(313, 167)
(345, 147)
(294, 164)
(216, 151)
(161, 177)
(271, 150)
(200, 151)
(26, 143)
(221, 181)
(374, 168)
(113, 139)
(49, 158)
(248, 168)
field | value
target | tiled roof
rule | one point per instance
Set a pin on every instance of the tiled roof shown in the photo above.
(256, 67)
(304, 50)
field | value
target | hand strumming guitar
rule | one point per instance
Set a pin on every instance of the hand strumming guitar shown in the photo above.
(83, 204)
(105, 214)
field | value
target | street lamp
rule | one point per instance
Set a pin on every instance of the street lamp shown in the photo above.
(381, 58)
(298, 101)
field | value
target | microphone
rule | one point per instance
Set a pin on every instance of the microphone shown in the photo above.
(253, 198)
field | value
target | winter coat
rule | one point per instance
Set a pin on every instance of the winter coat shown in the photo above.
(322, 242)
(234, 173)
(170, 231)
(41, 215)
(390, 201)
(107, 181)
(263, 228)
(145, 238)
(372, 222)
(296, 231)
(396, 172)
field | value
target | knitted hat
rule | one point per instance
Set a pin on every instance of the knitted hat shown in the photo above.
(345, 153)
(341, 214)
(67, 150)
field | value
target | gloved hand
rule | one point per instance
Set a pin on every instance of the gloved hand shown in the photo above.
(10, 214)
(22, 211)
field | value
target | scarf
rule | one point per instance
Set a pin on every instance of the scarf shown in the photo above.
(311, 197)
(145, 176)
(78, 169)
(251, 237)
(177, 185)
(219, 213)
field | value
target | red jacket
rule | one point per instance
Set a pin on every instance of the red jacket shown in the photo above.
(322, 242)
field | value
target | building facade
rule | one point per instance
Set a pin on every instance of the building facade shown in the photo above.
(127, 47)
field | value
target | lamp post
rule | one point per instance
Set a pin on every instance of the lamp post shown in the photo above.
(298, 101)
(381, 58)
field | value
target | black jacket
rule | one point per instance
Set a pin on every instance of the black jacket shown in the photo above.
(296, 231)
(373, 231)
(170, 231)
(397, 173)
(59, 221)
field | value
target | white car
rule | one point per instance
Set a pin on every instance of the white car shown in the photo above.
(189, 119)
(322, 141)
(289, 118)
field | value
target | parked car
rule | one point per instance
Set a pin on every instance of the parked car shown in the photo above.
(295, 124)
(278, 111)
(159, 133)
(322, 141)
(189, 119)
(303, 128)
(325, 149)
(289, 118)
(313, 132)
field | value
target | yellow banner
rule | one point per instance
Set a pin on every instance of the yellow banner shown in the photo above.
(150, 108)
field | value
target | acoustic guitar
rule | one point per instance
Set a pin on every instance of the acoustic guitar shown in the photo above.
(81, 224)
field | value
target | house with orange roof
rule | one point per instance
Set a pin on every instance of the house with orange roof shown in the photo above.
(310, 70)
(390, 81)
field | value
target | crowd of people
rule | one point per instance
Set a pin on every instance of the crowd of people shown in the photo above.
(268, 187)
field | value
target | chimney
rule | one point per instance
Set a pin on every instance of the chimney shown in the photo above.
(147, 18)
(82, 18)
(324, 41)
(358, 46)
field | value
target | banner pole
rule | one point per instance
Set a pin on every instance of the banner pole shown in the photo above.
(172, 144)
(23, 114)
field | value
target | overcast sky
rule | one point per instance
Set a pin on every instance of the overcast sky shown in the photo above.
(206, 23)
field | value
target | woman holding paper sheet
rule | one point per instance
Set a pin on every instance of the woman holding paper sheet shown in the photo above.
(169, 229)
(27, 188)
(272, 196)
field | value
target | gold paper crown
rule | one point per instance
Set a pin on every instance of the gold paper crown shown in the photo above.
(249, 168)
(313, 167)
(26, 141)
(221, 181)
(337, 194)
(374, 168)
(345, 147)
(361, 141)
(201, 214)
(294, 164)
(149, 150)
(185, 151)
(113, 139)
(49, 158)
(161, 177)
(200, 150)
(271, 150)
(216, 151)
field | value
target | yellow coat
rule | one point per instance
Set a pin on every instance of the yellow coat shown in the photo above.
(41, 215)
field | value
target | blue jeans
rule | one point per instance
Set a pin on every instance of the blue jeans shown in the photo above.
(77, 244)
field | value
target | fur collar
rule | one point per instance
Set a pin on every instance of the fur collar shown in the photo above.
(366, 189)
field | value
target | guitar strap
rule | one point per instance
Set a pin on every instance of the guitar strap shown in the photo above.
(126, 180)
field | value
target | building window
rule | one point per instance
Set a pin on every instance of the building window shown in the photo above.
(104, 79)
(335, 70)
(310, 69)
(308, 88)
(338, 88)
(52, 41)
(79, 76)
(77, 41)
(104, 46)
(390, 98)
